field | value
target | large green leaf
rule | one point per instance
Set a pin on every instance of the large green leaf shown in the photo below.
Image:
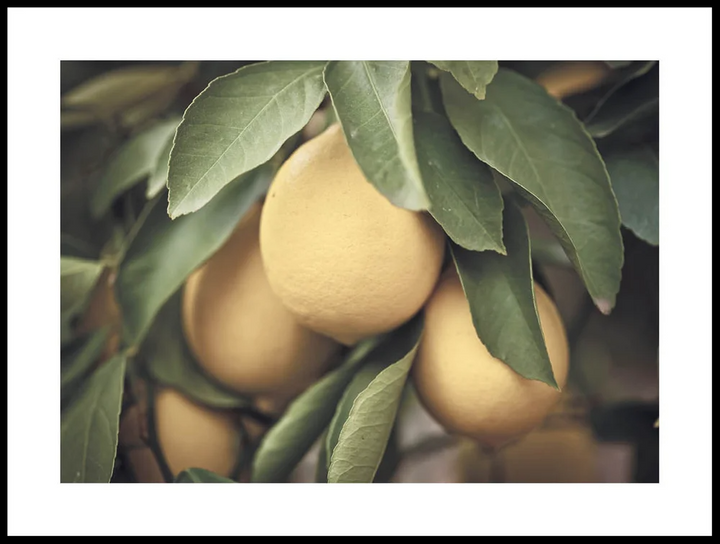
(133, 162)
(634, 96)
(77, 279)
(464, 199)
(158, 178)
(169, 361)
(305, 419)
(499, 289)
(237, 123)
(473, 75)
(129, 94)
(373, 104)
(201, 476)
(539, 144)
(165, 252)
(365, 433)
(89, 427)
(358, 384)
(79, 361)
(635, 178)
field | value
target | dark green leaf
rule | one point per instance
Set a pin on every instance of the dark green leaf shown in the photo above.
(158, 178)
(169, 361)
(463, 196)
(201, 476)
(473, 75)
(77, 279)
(502, 299)
(633, 97)
(89, 427)
(79, 361)
(635, 179)
(134, 161)
(303, 422)
(373, 104)
(165, 252)
(365, 433)
(539, 144)
(548, 251)
(237, 123)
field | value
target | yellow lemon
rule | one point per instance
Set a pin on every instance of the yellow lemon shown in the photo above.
(194, 436)
(238, 329)
(466, 389)
(344, 260)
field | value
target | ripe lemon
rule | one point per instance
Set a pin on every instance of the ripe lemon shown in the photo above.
(237, 328)
(194, 436)
(469, 391)
(344, 260)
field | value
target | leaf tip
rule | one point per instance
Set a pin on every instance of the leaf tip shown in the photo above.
(604, 305)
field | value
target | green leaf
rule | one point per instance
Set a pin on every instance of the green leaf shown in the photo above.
(549, 251)
(201, 476)
(165, 252)
(635, 179)
(539, 144)
(365, 433)
(373, 104)
(127, 91)
(474, 75)
(502, 300)
(158, 178)
(134, 161)
(89, 427)
(633, 97)
(169, 361)
(305, 419)
(237, 123)
(358, 384)
(77, 279)
(464, 199)
(79, 361)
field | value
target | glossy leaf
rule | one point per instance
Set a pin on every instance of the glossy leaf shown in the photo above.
(80, 361)
(158, 178)
(237, 123)
(539, 144)
(305, 419)
(89, 427)
(635, 177)
(502, 300)
(77, 279)
(168, 360)
(133, 162)
(473, 75)
(373, 104)
(464, 199)
(165, 252)
(365, 433)
(633, 97)
(201, 476)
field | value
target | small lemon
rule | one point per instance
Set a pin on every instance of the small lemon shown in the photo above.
(469, 391)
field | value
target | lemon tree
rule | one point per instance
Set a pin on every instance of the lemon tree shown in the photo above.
(289, 252)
